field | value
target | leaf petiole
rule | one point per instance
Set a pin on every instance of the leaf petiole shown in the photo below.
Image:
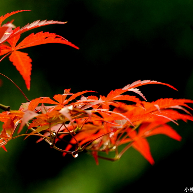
(16, 86)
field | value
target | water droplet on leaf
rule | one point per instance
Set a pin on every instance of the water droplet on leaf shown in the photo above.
(74, 154)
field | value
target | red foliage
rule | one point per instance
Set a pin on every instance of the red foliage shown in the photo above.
(97, 124)
(10, 37)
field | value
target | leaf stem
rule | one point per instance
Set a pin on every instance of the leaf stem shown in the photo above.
(125, 149)
(16, 86)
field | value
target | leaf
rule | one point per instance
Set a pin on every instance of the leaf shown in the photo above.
(28, 27)
(38, 129)
(154, 129)
(36, 24)
(3, 32)
(66, 112)
(28, 115)
(3, 146)
(95, 155)
(172, 103)
(60, 98)
(22, 62)
(144, 82)
(76, 95)
(141, 145)
(43, 38)
(114, 93)
(119, 115)
(35, 102)
(4, 49)
(7, 132)
(13, 41)
(2, 143)
(8, 128)
(6, 29)
(20, 59)
(175, 115)
(131, 87)
(2, 18)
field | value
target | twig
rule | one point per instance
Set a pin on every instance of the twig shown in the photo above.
(4, 107)
(16, 86)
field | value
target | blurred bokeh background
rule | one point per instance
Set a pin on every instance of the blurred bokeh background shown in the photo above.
(120, 41)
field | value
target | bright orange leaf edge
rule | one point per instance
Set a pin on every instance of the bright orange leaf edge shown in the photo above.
(97, 124)
(9, 45)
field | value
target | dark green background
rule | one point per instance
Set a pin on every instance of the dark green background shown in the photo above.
(120, 42)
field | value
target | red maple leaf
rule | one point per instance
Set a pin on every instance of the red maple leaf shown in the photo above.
(21, 60)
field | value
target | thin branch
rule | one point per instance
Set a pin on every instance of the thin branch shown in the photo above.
(124, 150)
(16, 86)
(107, 158)
(4, 107)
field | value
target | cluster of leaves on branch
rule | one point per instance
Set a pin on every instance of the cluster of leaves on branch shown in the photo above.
(73, 122)
(97, 124)
(10, 35)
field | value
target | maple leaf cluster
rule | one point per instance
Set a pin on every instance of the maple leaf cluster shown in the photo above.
(96, 124)
(10, 35)
(73, 122)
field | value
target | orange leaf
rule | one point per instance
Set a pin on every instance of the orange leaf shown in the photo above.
(4, 147)
(141, 145)
(36, 24)
(172, 103)
(95, 155)
(43, 38)
(26, 117)
(114, 93)
(2, 18)
(4, 49)
(13, 41)
(144, 82)
(34, 103)
(8, 128)
(60, 98)
(22, 62)
(76, 95)
(154, 129)
(6, 30)
(3, 31)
